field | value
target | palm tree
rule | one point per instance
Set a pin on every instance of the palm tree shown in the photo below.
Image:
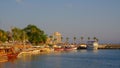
(82, 38)
(97, 39)
(16, 34)
(94, 38)
(74, 38)
(67, 39)
(88, 38)
(51, 37)
(9, 36)
(24, 36)
(62, 39)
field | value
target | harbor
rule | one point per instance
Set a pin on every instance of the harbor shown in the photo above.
(56, 53)
(59, 34)
(8, 53)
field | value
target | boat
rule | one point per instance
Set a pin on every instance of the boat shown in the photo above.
(92, 45)
(82, 46)
(10, 53)
(3, 58)
(6, 54)
(74, 48)
(68, 49)
(58, 49)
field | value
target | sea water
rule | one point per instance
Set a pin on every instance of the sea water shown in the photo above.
(70, 59)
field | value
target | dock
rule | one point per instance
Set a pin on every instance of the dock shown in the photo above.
(109, 46)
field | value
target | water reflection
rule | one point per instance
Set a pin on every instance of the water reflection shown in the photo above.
(25, 58)
(1, 65)
(83, 51)
(95, 51)
(13, 60)
(69, 59)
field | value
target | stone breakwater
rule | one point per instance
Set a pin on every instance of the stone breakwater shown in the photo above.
(109, 46)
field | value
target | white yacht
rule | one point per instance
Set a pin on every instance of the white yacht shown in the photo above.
(92, 45)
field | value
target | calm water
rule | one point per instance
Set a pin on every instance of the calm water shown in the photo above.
(73, 59)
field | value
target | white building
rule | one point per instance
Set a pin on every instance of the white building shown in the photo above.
(57, 37)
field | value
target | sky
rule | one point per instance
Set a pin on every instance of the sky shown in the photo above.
(72, 18)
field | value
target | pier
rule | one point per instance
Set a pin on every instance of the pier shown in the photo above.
(112, 46)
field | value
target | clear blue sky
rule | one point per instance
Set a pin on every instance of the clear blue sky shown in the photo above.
(87, 18)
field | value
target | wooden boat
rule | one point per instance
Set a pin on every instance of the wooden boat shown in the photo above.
(68, 49)
(74, 48)
(3, 57)
(58, 49)
(7, 54)
(12, 56)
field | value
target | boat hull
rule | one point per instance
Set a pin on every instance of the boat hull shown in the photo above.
(58, 49)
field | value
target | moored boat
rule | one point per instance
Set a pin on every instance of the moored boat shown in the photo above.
(12, 56)
(68, 49)
(7, 53)
(58, 49)
(74, 48)
(92, 45)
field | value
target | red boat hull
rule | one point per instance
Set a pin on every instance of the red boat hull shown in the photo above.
(58, 49)
(12, 56)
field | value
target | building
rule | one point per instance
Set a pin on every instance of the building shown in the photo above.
(57, 37)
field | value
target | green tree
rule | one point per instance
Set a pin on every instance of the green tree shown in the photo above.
(35, 35)
(43, 38)
(3, 35)
(9, 36)
(19, 35)
(16, 34)
(24, 36)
